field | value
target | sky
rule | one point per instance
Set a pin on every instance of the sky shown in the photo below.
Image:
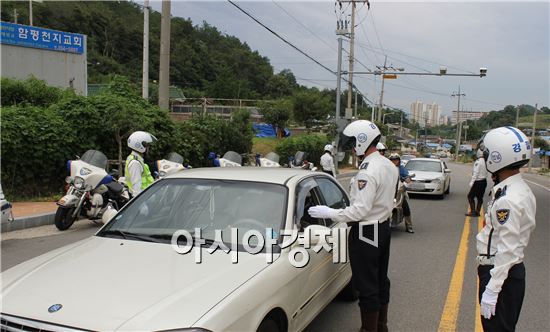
(510, 39)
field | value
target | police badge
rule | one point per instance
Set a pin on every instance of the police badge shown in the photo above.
(361, 184)
(502, 215)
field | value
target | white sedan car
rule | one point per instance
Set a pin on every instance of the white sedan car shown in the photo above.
(432, 177)
(130, 277)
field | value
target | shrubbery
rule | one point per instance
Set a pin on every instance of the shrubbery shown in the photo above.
(43, 127)
(312, 144)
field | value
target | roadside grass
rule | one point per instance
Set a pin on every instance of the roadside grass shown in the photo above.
(264, 145)
(543, 120)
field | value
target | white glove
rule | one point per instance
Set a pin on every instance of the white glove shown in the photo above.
(322, 211)
(488, 303)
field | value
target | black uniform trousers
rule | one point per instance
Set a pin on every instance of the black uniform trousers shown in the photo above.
(369, 265)
(328, 172)
(510, 298)
(477, 190)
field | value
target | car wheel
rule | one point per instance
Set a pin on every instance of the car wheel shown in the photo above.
(448, 189)
(268, 325)
(349, 293)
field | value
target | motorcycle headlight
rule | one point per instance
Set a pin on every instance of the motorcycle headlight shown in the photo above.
(85, 171)
(79, 182)
(68, 179)
(162, 174)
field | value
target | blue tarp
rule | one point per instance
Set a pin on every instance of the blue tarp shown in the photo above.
(267, 130)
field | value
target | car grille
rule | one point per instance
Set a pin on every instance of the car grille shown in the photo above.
(423, 181)
(16, 324)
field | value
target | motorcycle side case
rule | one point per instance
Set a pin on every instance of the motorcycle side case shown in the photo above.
(68, 201)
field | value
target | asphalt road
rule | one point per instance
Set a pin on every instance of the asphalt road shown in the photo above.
(421, 265)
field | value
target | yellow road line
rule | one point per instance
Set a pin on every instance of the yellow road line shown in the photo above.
(452, 303)
(479, 328)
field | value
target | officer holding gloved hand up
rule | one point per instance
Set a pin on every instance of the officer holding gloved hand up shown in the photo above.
(372, 194)
(509, 221)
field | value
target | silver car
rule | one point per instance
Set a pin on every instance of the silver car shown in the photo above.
(432, 177)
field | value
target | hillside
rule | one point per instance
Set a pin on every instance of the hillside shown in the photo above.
(203, 60)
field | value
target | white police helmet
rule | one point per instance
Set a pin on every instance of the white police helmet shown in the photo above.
(360, 134)
(380, 146)
(505, 146)
(139, 140)
(329, 147)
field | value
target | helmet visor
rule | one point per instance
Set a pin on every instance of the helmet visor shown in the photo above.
(346, 143)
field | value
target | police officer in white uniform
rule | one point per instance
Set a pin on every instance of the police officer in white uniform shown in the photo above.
(478, 184)
(510, 219)
(327, 161)
(372, 195)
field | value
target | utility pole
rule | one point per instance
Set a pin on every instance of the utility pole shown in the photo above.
(355, 111)
(164, 70)
(30, 12)
(533, 138)
(517, 116)
(458, 127)
(351, 59)
(15, 15)
(401, 126)
(145, 77)
(381, 105)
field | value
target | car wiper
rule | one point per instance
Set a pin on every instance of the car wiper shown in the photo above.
(127, 235)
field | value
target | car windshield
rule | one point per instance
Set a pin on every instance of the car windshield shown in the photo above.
(424, 166)
(210, 205)
(95, 158)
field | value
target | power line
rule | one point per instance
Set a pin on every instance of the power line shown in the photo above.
(304, 26)
(376, 32)
(281, 38)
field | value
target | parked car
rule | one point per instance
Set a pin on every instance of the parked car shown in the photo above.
(128, 276)
(432, 177)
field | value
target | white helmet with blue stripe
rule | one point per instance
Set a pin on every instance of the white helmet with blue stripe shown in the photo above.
(504, 147)
(359, 135)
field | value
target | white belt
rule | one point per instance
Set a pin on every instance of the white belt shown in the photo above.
(483, 260)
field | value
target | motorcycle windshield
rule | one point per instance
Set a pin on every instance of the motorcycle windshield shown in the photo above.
(299, 158)
(95, 158)
(175, 157)
(234, 157)
(273, 157)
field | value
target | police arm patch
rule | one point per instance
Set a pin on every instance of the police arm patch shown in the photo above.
(503, 215)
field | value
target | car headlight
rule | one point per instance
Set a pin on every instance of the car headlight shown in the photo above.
(79, 182)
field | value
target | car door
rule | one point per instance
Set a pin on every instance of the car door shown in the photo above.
(315, 276)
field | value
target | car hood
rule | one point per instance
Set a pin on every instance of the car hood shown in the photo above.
(111, 284)
(420, 175)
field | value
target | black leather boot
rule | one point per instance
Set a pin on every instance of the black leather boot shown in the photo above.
(369, 321)
(383, 319)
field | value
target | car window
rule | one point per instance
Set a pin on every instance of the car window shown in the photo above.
(424, 166)
(306, 197)
(334, 197)
(186, 204)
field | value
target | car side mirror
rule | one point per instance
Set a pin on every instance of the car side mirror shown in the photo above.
(316, 234)
(108, 215)
(447, 170)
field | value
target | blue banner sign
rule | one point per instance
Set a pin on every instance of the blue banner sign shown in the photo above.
(29, 36)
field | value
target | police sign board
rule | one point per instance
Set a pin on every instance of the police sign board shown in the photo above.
(34, 37)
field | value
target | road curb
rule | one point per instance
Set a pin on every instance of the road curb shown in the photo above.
(27, 222)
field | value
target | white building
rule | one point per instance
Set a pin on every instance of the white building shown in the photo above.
(425, 114)
(467, 115)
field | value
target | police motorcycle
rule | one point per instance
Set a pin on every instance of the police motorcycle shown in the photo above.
(300, 161)
(172, 164)
(231, 159)
(91, 191)
(5, 207)
(270, 160)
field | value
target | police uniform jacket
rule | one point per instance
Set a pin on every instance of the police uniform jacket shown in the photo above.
(510, 219)
(327, 163)
(372, 191)
(480, 171)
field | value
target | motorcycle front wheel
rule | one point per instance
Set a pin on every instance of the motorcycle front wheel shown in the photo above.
(64, 218)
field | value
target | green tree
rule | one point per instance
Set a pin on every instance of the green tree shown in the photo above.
(542, 144)
(310, 107)
(277, 114)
